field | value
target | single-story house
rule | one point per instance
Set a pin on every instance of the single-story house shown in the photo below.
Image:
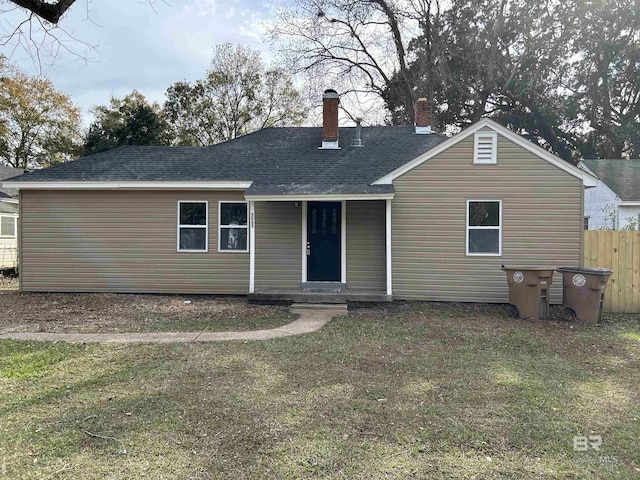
(614, 204)
(8, 220)
(399, 211)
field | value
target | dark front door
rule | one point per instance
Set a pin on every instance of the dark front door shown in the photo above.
(323, 241)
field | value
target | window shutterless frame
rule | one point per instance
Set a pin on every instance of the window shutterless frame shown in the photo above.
(14, 221)
(205, 226)
(498, 228)
(221, 226)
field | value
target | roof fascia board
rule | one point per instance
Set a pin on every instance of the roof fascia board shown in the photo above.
(9, 200)
(629, 203)
(127, 185)
(587, 180)
(320, 198)
(583, 166)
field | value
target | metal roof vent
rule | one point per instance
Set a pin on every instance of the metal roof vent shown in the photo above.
(357, 142)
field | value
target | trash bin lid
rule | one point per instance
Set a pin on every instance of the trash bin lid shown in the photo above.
(587, 270)
(528, 267)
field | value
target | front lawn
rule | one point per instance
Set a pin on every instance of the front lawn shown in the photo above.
(406, 391)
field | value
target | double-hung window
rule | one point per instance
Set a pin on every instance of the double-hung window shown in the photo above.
(232, 227)
(8, 226)
(484, 227)
(193, 226)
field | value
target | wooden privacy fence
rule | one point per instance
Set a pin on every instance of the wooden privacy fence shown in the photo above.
(618, 251)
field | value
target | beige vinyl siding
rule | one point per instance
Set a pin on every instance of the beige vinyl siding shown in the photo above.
(278, 245)
(541, 223)
(122, 241)
(366, 263)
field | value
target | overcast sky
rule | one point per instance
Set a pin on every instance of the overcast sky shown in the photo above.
(144, 46)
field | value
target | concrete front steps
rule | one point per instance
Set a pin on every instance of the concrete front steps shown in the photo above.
(278, 295)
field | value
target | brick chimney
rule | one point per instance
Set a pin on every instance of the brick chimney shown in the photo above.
(423, 116)
(330, 102)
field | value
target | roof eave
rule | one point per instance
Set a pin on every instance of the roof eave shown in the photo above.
(326, 197)
(129, 185)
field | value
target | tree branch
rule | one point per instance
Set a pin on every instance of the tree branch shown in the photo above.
(51, 12)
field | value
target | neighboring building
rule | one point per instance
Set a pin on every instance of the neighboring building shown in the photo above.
(8, 220)
(393, 211)
(614, 204)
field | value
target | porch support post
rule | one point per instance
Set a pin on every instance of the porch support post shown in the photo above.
(304, 242)
(343, 244)
(388, 244)
(252, 247)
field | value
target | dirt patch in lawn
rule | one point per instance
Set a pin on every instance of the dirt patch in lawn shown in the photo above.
(8, 281)
(108, 313)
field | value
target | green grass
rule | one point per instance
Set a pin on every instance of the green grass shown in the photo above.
(161, 322)
(407, 391)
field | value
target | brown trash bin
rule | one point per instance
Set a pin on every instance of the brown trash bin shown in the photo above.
(583, 291)
(529, 289)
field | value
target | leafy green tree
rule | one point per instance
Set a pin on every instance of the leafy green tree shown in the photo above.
(606, 77)
(239, 95)
(128, 121)
(39, 126)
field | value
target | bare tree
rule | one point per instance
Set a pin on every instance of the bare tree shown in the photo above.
(35, 27)
(357, 46)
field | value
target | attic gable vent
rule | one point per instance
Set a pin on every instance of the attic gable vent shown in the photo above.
(485, 147)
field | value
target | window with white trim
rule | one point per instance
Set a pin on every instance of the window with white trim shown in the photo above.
(193, 226)
(8, 226)
(586, 223)
(485, 148)
(233, 228)
(484, 227)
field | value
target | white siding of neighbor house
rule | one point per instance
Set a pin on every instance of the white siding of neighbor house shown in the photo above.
(628, 214)
(9, 246)
(542, 223)
(601, 205)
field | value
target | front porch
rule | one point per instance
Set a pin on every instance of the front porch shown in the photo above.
(342, 246)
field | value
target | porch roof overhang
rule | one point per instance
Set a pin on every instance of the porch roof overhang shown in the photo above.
(318, 191)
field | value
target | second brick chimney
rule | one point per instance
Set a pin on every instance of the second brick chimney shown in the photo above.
(330, 102)
(423, 116)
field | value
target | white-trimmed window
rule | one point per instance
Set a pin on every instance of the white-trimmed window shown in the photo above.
(8, 227)
(484, 227)
(586, 223)
(193, 226)
(485, 148)
(233, 229)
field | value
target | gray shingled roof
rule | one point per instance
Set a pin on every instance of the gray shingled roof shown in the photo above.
(621, 176)
(277, 160)
(5, 173)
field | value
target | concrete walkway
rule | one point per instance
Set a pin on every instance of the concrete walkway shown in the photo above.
(312, 318)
